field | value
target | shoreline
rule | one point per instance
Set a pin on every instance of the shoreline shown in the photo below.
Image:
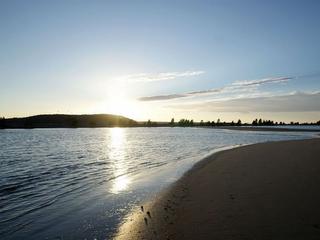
(235, 128)
(264, 129)
(259, 191)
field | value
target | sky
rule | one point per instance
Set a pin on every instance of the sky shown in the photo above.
(200, 60)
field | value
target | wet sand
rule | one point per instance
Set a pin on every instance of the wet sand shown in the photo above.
(262, 191)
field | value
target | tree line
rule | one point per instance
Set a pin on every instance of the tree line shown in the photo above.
(256, 122)
(67, 121)
(105, 120)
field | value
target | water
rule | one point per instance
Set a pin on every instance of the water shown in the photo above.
(80, 183)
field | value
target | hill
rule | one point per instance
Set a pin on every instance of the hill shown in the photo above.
(68, 121)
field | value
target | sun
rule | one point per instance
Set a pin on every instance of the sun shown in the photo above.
(118, 104)
(117, 98)
(120, 107)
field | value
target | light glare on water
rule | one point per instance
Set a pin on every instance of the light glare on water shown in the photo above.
(116, 155)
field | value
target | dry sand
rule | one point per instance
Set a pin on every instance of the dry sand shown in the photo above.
(262, 191)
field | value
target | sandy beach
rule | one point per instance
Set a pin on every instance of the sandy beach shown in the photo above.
(260, 191)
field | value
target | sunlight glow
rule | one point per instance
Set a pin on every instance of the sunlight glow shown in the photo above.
(118, 101)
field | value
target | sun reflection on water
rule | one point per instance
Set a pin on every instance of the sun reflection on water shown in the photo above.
(117, 156)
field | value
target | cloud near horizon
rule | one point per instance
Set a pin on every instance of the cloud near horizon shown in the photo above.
(238, 86)
(294, 102)
(153, 77)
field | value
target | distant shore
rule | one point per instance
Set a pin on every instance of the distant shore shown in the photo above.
(67, 121)
(266, 129)
(110, 120)
(261, 191)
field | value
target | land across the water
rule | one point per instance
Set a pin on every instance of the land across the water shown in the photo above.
(109, 120)
(266, 129)
(261, 191)
(68, 121)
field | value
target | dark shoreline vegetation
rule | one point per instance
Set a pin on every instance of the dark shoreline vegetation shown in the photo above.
(68, 121)
(109, 120)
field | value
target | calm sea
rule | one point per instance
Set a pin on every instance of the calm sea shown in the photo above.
(80, 183)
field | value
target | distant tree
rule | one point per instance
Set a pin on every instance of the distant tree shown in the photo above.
(201, 123)
(2, 122)
(260, 122)
(149, 123)
(318, 123)
(181, 123)
(267, 123)
(185, 122)
(218, 122)
(239, 122)
(172, 122)
(255, 122)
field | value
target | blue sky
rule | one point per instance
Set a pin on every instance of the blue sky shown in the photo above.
(241, 58)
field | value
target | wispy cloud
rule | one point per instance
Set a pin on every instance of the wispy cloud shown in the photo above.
(238, 86)
(162, 97)
(152, 77)
(259, 82)
(293, 102)
(182, 95)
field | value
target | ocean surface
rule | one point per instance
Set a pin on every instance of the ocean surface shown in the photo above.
(81, 183)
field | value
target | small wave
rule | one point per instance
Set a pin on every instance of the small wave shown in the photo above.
(23, 213)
